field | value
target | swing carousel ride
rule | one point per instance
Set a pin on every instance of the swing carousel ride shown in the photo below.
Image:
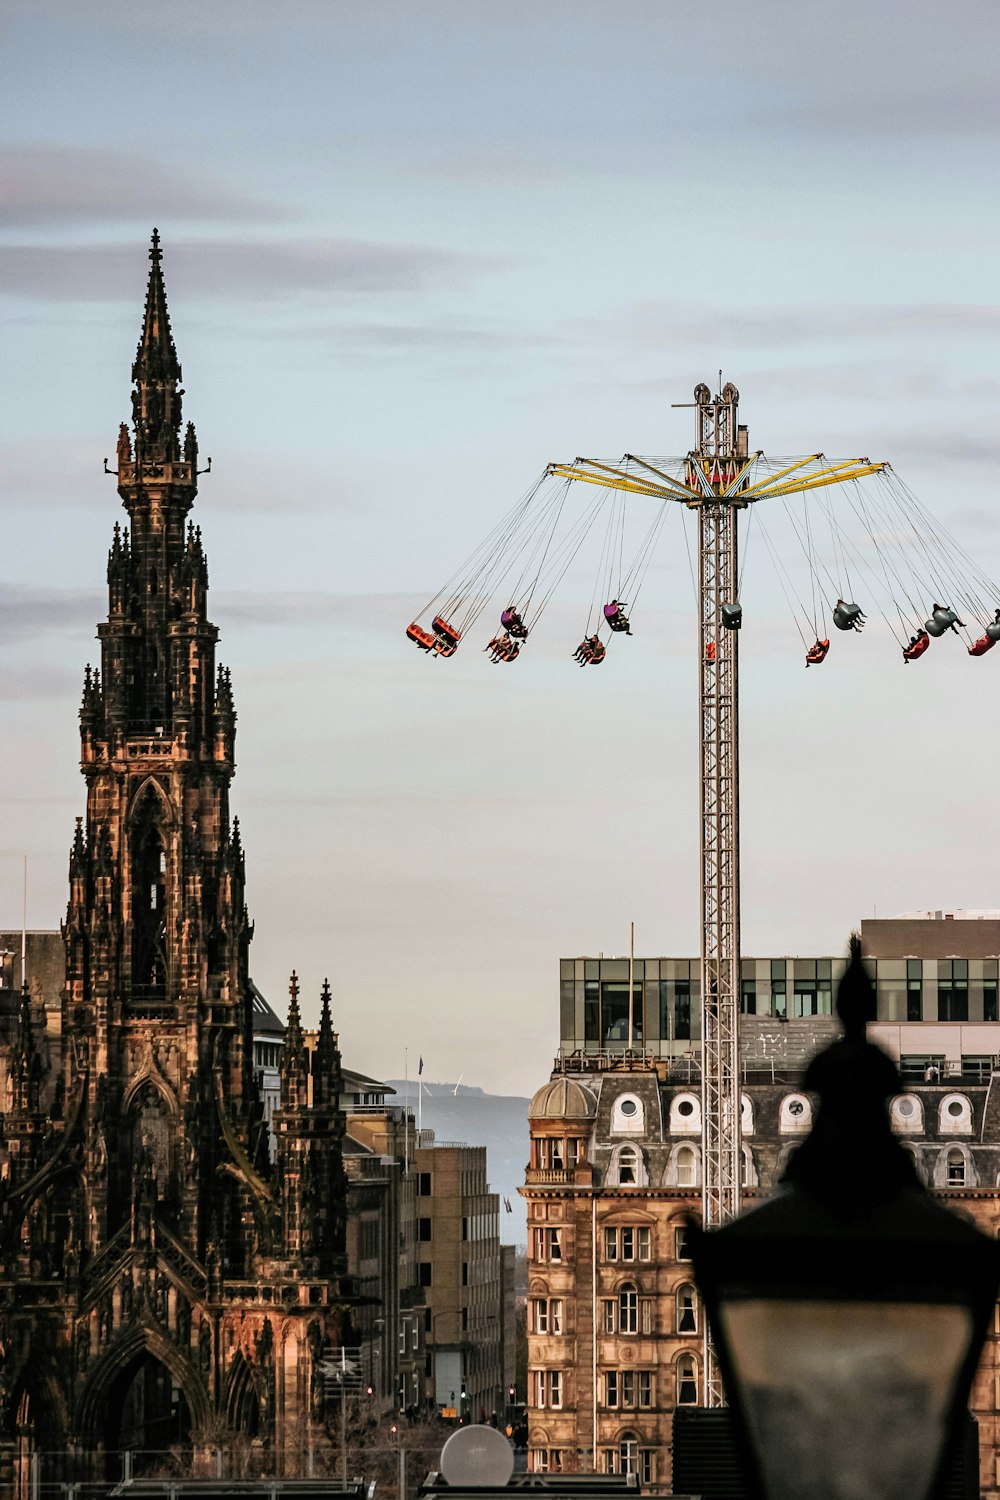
(861, 534)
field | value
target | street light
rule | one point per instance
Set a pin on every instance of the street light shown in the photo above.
(849, 1311)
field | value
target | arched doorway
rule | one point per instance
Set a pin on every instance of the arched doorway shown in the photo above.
(147, 1415)
(40, 1458)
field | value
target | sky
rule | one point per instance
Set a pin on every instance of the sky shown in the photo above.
(413, 252)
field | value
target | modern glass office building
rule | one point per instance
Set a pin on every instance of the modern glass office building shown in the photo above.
(936, 976)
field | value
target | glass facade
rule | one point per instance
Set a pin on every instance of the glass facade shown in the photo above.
(666, 997)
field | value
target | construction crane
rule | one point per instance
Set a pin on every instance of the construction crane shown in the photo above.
(721, 478)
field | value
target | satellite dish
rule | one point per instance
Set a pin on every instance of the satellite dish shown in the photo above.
(475, 1456)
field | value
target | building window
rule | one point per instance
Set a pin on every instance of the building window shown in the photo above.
(423, 1229)
(675, 1005)
(551, 1153)
(546, 1460)
(682, 1010)
(465, 1320)
(953, 989)
(779, 992)
(423, 1184)
(813, 987)
(795, 1116)
(628, 1453)
(628, 1389)
(682, 1245)
(990, 990)
(425, 1273)
(628, 1166)
(465, 1273)
(687, 1381)
(687, 1309)
(748, 997)
(914, 988)
(628, 1309)
(687, 1167)
(956, 1169)
(647, 1465)
(608, 1315)
(547, 1387)
(546, 1315)
(955, 1115)
(628, 1243)
(548, 1245)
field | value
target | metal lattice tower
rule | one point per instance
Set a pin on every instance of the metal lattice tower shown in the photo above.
(721, 478)
(713, 467)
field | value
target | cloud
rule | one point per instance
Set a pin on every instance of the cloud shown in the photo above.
(36, 682)
(656, 326)
(52, 187)
(27, 612)
(446, 337)
(225, 269)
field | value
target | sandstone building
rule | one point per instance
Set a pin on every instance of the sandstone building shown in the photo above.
(163, 1282)
(615, 1325)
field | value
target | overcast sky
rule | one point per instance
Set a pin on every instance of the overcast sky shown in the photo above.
(413, 251)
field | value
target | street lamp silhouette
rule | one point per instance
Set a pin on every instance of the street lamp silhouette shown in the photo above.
(849, 1310)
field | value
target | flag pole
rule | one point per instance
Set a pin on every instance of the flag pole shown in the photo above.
(631, 983)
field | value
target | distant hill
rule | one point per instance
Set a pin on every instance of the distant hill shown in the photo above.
(497, 1121)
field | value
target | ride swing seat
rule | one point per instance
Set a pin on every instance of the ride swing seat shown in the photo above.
(817, 653)
(732, 616)
(848, 616)
(597, 655)
(917, 646)
(993, 630)
(444, 647)
(584, 653)
(502, 648)
(985, 643)
(447, 632)
(942, 618)
(710, 653)
(615, 617)
(513, 624)
(423, 638)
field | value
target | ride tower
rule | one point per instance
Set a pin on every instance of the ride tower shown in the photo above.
(717, 469)
(720, 478)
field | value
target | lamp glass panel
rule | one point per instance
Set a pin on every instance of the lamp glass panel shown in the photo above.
(846, 1400)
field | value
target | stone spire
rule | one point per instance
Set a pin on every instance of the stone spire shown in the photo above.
(156, 373)
(294, 1069)
(25, 1062)
(326, 1058)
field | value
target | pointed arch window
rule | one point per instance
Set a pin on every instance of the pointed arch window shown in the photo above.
(149, 910)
